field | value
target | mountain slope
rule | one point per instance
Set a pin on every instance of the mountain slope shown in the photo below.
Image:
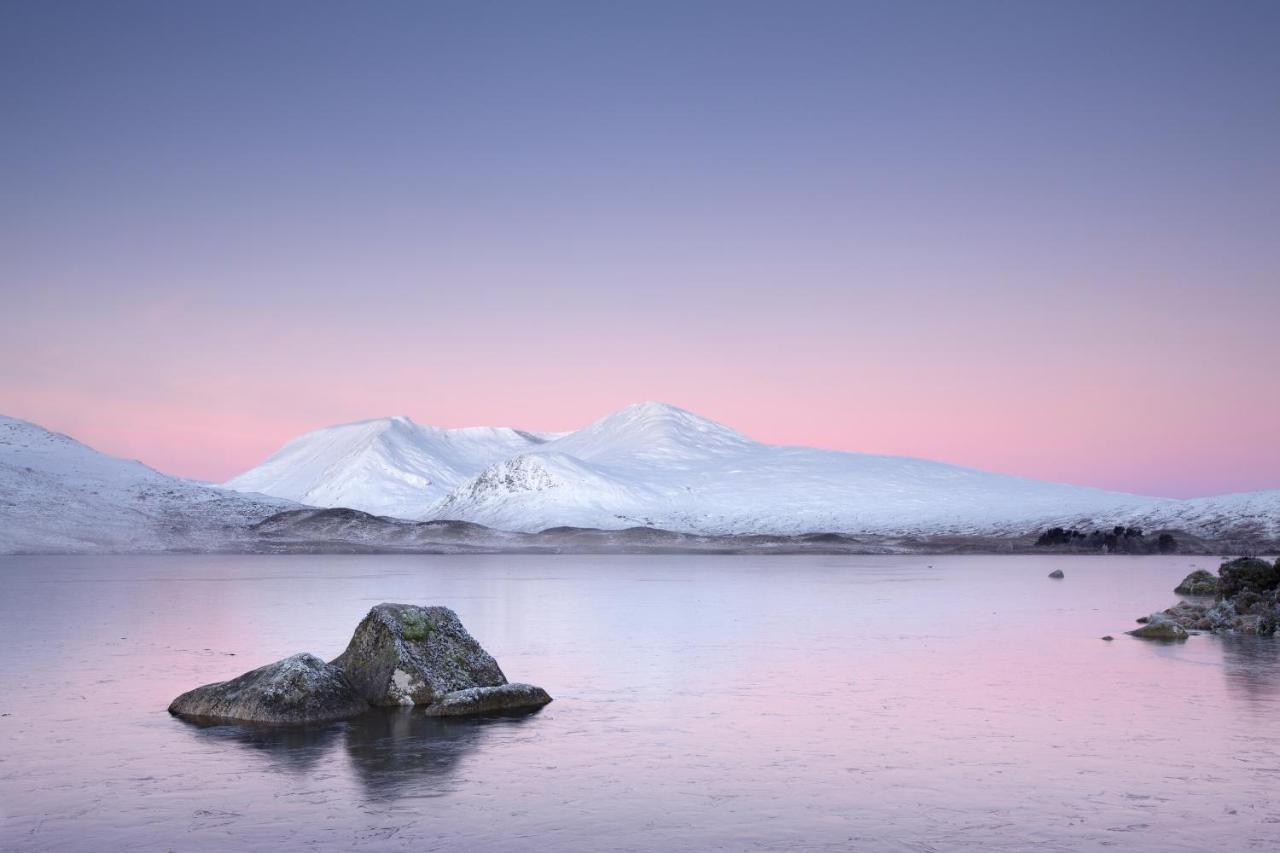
(670, 468)
(58, 495)
(656, 465)
(389, 466)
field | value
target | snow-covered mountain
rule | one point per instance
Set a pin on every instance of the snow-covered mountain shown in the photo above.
(56, 495)
(388, 466)
(656, 465)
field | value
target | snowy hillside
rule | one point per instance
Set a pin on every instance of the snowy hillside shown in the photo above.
(56, 494)
(389, 466)
(656, 465)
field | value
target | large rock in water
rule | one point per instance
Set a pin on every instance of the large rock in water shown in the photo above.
(299, 689)
(1198, 582)
(488, 700)
(402, 654)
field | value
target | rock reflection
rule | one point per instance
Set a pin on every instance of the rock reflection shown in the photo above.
(287, 750)
(1252, 667)
(393, 752)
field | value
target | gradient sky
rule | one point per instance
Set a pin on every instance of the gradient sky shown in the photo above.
(1037, 238)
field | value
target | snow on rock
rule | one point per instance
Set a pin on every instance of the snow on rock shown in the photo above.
(58, 495)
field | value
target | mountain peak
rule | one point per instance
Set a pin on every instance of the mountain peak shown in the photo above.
(650, 431)
(651, 411)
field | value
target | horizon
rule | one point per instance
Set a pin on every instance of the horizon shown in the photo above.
(1033, 240)
(562, 433)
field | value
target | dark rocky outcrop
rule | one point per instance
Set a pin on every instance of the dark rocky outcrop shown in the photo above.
(1247, 574)
(1057, 574)
(1248, 601)
(402, 654)
(1198, 582)
(299, 689)
(489, 700)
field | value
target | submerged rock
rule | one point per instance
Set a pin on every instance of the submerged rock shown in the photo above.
(402, 654)
(1160, 626)
(299, 689)
(1198, 582)
(1057, 574)
(489, 700)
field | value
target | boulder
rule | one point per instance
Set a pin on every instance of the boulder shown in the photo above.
(1198, 582)
(1160, 626)
(1057, 574)
(489, 700)
(1247, 574)
(402, 654)
(299, 689)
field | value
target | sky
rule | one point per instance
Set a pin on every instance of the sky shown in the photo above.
(1034, 238)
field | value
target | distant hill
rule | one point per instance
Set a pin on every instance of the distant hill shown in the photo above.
(58, 495)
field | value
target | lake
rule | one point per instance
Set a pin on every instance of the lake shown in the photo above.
(701, 703)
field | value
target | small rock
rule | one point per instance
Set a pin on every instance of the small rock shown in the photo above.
(1198, 582)
(299, 689)
(488, 700)
(1057, 574)
(1186, 614)
(1108, 638)
(1160, 627)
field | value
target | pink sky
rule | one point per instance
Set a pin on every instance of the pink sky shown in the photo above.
(1032, 238)
(208, 390)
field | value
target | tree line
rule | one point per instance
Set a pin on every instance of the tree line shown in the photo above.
(1118, 540)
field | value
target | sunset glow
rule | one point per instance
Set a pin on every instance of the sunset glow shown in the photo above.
(1070, 273)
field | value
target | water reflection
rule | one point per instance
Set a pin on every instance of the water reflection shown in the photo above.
(392, 751)
(1251, 666)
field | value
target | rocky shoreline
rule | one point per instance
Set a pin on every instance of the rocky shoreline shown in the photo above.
(400, 655)
(1245, 600)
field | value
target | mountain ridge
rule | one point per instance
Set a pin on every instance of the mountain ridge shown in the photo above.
(655, 465)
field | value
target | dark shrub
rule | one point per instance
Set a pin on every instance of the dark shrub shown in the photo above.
(1247, 574)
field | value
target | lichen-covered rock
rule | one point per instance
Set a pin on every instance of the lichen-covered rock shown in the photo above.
(402, 654)
(1247, 574)
(297, 690)
(1160, 626)
(489, 700)
(1198, 582)
(1057, 574)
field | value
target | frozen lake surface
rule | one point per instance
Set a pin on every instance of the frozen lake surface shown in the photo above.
(702, 703)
